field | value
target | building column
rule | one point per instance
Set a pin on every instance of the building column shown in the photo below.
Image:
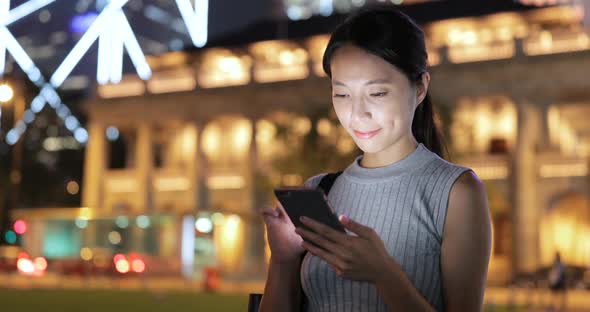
(253, 169)
(526, 210)
(544, 143)
(94, 168)
(193, 168)
(255, 244)
(144, 160)
(201, 174)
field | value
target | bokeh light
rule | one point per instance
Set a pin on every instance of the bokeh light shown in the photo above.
(81, 135)
(10, 237)
(81, 223)
(6, 93)
(143, 222)
(218, 218)
(40, 264)
(138, 266)
(25, 266)
(122, 266)
(204, 225)
(115, 237)
(122, 222)
(118, 257)
(86, 254)
(73, 188)
(23, 255)
(20, 227)
(112, 133)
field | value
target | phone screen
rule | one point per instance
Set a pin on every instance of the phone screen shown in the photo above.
(308, 202)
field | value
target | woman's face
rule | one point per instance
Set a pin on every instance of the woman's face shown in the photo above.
(373, 100)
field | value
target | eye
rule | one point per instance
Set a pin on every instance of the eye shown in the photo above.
(379, 94)
(337, 95)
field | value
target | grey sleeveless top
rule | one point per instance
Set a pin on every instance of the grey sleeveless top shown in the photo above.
(406, 204)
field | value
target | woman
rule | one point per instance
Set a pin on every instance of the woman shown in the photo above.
(419, 230)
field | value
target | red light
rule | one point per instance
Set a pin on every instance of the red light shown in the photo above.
(138, 266)
(40, 264)
(133, 255)
(122, 266)
(118, 257)
(20, 227)
(22, 255)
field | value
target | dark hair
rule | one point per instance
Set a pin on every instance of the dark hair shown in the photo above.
(390, 34)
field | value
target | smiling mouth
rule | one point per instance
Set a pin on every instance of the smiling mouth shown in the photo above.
(366, 135)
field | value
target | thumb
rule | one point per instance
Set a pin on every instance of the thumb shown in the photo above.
(355, 227)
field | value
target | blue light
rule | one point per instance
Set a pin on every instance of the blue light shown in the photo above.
(63, 111)
(81, 135)
(12, 137)
(37, 104)
(35, 75)
(326, 7)
(10, 237)
(112, 133)
(81, 223)
(143, 222)
(21, 127)
(29, 116)
(72, 123)
(81, 23)
(122, 222)
(196, 19)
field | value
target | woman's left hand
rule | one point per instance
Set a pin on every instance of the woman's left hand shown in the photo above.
(362, 257)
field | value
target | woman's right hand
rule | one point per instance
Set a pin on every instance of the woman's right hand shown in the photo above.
(285, 244)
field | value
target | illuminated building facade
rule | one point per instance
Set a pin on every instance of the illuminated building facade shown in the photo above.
(204, 132)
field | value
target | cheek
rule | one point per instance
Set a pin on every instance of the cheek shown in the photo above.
(387, 113)
(392, 116)
(341, 112)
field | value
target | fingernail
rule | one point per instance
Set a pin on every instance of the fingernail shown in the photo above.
(343, 218)
(303, 218)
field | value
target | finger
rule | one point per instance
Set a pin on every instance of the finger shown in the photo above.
(323, 230)
(330, 258)
(269, 220)
(320, 241)
(270, 211)
(357, 228)
(280, 209)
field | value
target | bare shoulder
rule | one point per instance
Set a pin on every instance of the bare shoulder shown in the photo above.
(467, 202)
(467, 185)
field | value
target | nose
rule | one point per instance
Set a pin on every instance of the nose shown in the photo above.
(360, 111)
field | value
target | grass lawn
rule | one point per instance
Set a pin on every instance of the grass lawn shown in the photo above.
(115, 301)
(129, 301)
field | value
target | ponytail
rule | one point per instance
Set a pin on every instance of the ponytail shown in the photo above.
(425, 128)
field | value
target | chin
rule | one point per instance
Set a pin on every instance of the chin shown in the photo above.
(369, 148)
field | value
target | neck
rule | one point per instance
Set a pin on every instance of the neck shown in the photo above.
(394, 153)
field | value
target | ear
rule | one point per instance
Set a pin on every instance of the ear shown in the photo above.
(422, 87)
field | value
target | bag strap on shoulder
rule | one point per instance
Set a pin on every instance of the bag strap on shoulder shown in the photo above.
(328, 180)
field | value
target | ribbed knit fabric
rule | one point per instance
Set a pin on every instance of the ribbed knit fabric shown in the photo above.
(406, 204)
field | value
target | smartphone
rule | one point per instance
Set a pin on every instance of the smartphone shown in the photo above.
(308, 202)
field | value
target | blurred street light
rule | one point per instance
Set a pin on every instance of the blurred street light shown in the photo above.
(6, 93)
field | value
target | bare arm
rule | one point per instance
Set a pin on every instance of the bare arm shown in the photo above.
(466, 245)
(465, 254)
(282, 291)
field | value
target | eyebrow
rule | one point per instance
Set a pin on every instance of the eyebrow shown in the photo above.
(370, 82)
